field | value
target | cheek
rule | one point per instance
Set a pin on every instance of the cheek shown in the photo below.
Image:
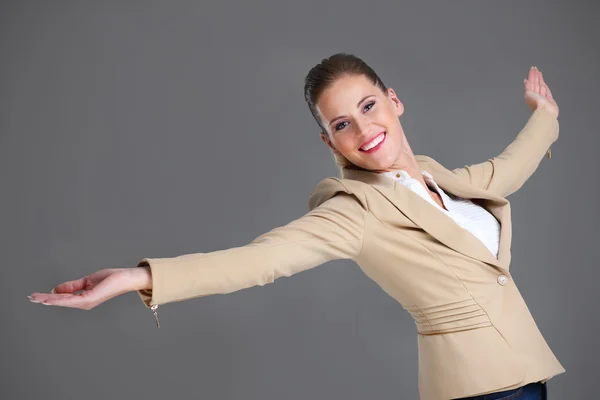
(345, 145)
(388, 116)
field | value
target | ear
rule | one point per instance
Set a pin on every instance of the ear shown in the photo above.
(325, 138)
(397, 104)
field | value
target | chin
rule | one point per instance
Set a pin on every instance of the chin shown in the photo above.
(381, 163)
(371, 166)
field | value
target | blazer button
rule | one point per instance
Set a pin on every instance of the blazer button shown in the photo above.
(502, 279)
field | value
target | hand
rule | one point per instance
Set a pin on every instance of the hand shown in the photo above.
(537, 93)
(97, 288)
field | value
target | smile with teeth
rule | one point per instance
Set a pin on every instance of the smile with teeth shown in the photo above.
(373, 142)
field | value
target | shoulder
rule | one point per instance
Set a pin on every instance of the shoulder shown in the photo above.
(331, 187)
(428, 162)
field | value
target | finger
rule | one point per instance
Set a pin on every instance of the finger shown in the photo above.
(543, 86)
(66, 300)
(548, 93)
(536, 80)
(43, 297)
(527, 83)
(84, 283)
(531, 74)
(71, 286)
(69, 300)
(530, 83)
(108, 288)
(543, 90)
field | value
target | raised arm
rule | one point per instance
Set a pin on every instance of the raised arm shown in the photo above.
(331, 230)
(507, 172)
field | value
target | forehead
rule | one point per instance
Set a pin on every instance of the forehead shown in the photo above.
(343, 94)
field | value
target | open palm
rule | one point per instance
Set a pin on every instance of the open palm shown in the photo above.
(537, 92)
(95, 289)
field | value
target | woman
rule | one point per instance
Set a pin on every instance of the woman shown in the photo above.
(436, 240)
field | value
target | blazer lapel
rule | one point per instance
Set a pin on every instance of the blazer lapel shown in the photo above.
(438, 224)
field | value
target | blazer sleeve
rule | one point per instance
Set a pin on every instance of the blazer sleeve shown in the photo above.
(507, 172)
(332, 229)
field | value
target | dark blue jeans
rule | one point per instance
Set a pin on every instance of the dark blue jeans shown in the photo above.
(531, 391)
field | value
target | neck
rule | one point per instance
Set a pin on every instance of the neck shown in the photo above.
(406, 161)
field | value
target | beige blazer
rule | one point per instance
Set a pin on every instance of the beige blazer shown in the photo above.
(475, 332)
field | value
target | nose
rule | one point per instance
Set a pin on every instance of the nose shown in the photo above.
(363, 125)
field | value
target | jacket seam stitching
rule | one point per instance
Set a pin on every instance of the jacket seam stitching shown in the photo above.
(470, 294)
(367, 212)
(450, 270)
(465, 287)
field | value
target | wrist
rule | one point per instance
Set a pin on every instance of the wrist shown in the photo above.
(548, 108)
(141, 278)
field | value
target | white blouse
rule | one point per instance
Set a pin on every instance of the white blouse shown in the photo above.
(464, 212)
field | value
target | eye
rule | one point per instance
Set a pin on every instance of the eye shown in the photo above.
(372, 103)
(337, 127)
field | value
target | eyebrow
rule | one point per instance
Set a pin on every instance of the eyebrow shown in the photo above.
(357, 104)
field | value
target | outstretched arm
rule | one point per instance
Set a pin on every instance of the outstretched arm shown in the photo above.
(333, 230)
(507, 172)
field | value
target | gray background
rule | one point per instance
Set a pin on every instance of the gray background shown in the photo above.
(116, 117)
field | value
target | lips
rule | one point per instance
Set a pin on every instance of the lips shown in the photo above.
(380, 136)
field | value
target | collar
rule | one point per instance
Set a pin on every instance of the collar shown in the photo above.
(404, 178)
(401, 175)
(383, 179)
(440, 225)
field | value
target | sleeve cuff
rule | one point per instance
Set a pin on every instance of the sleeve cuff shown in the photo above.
(146, 294)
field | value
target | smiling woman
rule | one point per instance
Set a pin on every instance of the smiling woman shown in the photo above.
(369, 136)
(374, 118)
(436, 240)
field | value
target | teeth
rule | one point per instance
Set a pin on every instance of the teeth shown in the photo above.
(374, 142)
